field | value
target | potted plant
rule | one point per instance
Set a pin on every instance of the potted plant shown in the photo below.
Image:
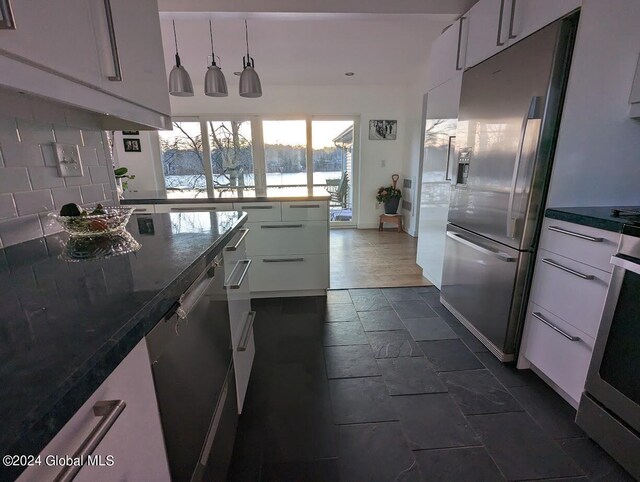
(122, 179)
(390, 197)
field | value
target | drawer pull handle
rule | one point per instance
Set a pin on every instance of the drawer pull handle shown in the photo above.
(140, 210)
(279, 226)
(239, 242)
(256, 207)
(187, 210)
(108, 411)
(554, 327)
(574, 234)
(117, 77)
(551, 262)
(283, 260)
(246, 332)
(303, 206)
(234, 286)
(499, 41)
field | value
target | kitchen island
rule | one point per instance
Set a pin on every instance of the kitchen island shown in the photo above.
(66, 326)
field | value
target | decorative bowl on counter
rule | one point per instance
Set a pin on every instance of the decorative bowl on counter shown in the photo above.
(78, 248)
(113, 221)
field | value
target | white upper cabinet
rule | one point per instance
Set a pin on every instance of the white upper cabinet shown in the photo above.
(496, 24)
(634, 98)
(101, 55)
(447, 56)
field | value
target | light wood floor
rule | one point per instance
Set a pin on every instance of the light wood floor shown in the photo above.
(367, 258)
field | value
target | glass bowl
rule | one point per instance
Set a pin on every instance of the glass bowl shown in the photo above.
(78, 248)
(114, 221)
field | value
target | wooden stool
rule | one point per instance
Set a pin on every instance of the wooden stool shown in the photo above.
(391, 219)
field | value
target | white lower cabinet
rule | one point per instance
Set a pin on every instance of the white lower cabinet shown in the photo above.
(133, 447)
(192, 207)
(290, 273)
(282, 238)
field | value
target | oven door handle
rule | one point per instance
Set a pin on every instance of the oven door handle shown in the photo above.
(625, 264)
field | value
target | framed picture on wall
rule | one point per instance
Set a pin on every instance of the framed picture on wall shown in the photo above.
(132, 145)
(130, 133)
(383, 130)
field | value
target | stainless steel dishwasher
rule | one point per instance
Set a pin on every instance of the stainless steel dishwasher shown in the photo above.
(191, 358)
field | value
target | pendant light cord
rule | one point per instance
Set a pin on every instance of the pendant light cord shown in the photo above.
(246, 35)
(175, 38)
(213, 55)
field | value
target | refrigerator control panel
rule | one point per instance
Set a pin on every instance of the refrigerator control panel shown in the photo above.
(464, 157)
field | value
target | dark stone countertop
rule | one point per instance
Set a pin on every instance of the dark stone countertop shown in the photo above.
(595, 217)
(65, 326)
(160, 197)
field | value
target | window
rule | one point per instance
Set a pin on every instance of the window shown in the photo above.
(182, 160)
(231, 158)
(285, 155)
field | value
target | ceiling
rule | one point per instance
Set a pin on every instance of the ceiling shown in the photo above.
(307, 48)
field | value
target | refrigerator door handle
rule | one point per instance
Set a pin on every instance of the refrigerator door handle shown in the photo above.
(496, 254)
(534, 112)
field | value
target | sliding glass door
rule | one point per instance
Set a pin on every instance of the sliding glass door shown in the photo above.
(285, 156)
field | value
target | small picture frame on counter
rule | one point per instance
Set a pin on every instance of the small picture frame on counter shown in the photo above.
(132, 145)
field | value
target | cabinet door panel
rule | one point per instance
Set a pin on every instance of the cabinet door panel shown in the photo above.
(484, 22)
(532, 15)
(444, 59)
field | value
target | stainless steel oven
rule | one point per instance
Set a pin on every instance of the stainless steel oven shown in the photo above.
(610, 406)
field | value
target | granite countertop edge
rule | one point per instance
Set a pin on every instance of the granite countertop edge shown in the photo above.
(210, 200)
(41, 426)
(595, 217)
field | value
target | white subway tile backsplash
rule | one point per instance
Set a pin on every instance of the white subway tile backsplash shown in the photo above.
(35, 132)
(88, 156)
(20, 229)
(45, 177)
(49, 155)
(18, 154)
(93, 193)
(67, 135)
(84, 180)
(99, 174)
(1, 159)
(66, 195)
(103, 157)
(32, 202)
(7, 207)
(45, 111)
(49, 225)
(14, 179)
(15, 104)
(92, 138)
(8, 129)
(82, 119)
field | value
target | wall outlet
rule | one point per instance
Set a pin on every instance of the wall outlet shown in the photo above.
(68, 158)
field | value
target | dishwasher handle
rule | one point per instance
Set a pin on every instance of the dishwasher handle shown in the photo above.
(190, 297)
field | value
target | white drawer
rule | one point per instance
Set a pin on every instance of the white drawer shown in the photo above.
(564, 361)
(284, 238)
(259, 211)
(141, 208)
(568, 239)
(290, 273)
(191, 207)
(305, 210)
(568, 295)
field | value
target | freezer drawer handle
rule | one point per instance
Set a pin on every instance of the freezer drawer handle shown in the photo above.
(190, 210)
(304, 206)
(574, 234)
(108, 411)
(246, 332)
(234, 286)
(239, 242)
(213, 427)
(283, 260)
(551, 262)
(496, 254)
(277, 226)
(256, 207)
(554, 327)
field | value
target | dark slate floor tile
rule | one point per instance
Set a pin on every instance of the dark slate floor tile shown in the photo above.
(410, 376)
(267, 305)
(338, 296)
(465, 335)
(477, 392)
(375, 452)
(432, 299)
(359, 400)
(548, 409)
(594, 461)
(457, 464)
(401, 294)
(521, 449)
(425, 329)
(298, 349)
(304, 305)
(350, 361)
(393, 344)
(413, 309)
(507, 373)
(344, 333)
(449, 355)
(341, 312)
(365, 292)
(433, 421)
(560, 479)
(426, 289)
(308, 471)
(380, 321)
(246, 462)
(370, 303)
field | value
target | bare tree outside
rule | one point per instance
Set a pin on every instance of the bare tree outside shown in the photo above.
(182, 159)
(231, 156)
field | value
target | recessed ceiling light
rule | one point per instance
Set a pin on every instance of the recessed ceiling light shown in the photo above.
(349, 74)
(237, 73)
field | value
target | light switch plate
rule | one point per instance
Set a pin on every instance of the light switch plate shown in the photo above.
(68, 158)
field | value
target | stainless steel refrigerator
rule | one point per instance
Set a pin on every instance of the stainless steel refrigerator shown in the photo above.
(509, 115)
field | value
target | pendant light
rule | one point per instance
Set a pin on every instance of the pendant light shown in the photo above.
(215, 85)
(179, 81)
(249, 80)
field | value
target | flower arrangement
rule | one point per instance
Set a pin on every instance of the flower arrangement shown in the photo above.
(387, 193)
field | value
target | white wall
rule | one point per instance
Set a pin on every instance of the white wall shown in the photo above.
(144, 165)
(367, 102)
(597, 162)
